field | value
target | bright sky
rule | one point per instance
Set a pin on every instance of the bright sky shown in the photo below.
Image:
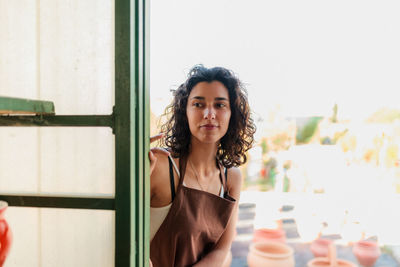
(301, 55)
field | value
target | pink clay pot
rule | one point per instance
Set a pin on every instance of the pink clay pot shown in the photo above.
(331, 260)
(366, 252)
(320, 246)
(324, 262)
(272, 235)
(270, 254)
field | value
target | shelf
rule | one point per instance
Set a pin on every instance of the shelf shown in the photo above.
(21, 106)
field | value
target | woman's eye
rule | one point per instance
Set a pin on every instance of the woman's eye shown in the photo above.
(197, 105)
(221, 105)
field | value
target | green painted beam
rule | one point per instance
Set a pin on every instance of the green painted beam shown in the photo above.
(10, 105)
(125, 246)
(59, 202)
(59, 120)
(143, 103)
(137, 129)
(131, 113)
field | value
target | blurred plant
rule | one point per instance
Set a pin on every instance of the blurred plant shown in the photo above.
(327, 140)
(270, 166)
(391, 154)
(286, 179)
(264, 146)
(339, 135)
(384, 115)
(277, 141)
(281, 141)
(287, 164)
(348, 143)
(271, 163)
(306, 133)
(334, 115)
(371, 156)
(378, 142)
(264, 185)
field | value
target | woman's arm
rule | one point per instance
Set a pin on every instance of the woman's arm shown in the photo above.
(217, 256)
(155, 150)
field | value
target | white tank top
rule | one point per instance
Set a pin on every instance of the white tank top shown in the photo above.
(157, 215)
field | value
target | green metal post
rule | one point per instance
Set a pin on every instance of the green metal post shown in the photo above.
(142, 130)
(131, 133)
(146, 131)
(124, 236)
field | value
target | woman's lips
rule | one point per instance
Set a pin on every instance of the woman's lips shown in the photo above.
(209, 127)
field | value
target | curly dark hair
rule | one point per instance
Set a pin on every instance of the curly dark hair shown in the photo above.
(239, 136)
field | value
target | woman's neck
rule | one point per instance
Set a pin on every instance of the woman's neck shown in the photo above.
(203, 157)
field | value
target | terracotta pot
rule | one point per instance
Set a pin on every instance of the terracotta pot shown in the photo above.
(366, 252)
(5, 234)
(272, 235)
(270, 254)
(319, 247)
(331, 260)
(324, 262)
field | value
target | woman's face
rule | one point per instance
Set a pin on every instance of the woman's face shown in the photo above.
(208, 111)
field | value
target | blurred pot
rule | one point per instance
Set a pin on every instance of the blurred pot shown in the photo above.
(270, 254)
(272, 235)
(366, 252)
(320, 246)
(324, 262)
(330, 260)
(5, 234)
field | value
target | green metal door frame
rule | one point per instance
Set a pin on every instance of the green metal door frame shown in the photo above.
(130, 123)
(132, 132)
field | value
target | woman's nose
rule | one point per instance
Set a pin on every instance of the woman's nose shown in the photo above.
(209, 113)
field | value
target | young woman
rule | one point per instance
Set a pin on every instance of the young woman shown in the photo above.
(195, 182)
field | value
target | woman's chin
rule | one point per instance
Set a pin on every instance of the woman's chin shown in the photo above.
(209, 140)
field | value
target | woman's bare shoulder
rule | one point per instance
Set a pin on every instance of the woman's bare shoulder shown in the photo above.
(160, 182)
(162, 161)
(160, 173)
(234, 174)
(234, 179)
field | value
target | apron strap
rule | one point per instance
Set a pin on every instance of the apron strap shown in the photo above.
(182, 169)
(171, 177)
(223, 176)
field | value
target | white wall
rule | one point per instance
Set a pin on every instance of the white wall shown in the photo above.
(62, 51)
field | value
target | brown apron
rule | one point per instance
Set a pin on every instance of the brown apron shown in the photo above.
(194, 224)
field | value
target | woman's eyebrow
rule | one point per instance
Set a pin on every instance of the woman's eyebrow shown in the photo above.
(199, 97)
(203, 98)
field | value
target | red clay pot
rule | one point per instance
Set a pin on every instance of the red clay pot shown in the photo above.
(320, 246)
(324, 262)
(5, 234)
(272, 235)
(366, 252)
(270, 254)
(331, 260)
